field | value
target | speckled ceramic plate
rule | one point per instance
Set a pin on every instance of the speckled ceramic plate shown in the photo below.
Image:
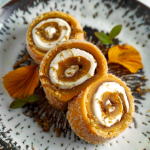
(20, 131)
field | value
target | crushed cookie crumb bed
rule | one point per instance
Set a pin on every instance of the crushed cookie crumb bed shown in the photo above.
(25, 57)
(142, 91)
(57, 132)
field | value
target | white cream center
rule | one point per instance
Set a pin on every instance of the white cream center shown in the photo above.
(73, 69)
(69, 72)
(108, 87)
(50, 32)
(110, 107)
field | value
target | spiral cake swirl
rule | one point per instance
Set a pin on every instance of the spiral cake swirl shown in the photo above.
(75, 71)
(109, 103)
(48, 33)
(101, 111)
(48, 30)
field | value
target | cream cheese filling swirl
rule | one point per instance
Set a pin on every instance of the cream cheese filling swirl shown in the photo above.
(48, 33)
(109, 103)
(76, 69)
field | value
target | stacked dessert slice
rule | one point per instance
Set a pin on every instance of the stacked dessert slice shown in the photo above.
(101, 111)
(48, 30)
(73, 73)
(69, 68)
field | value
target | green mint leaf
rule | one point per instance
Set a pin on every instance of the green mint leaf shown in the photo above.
(17, 103)
(34, 98)
(102, 37)
(115, 31)
(111, 41)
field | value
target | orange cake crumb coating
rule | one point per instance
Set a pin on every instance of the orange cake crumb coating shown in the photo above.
(84, 123)
(38, 53)
(56, 102)
(67, 94)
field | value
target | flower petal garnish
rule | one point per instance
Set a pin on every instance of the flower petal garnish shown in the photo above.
(21, 83)
(126, 56)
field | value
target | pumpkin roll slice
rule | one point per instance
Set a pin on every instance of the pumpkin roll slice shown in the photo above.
(48, 30)
(70, 67)
(101, 111)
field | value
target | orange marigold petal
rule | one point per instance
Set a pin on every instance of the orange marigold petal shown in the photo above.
(127, 56)
(21, 83)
